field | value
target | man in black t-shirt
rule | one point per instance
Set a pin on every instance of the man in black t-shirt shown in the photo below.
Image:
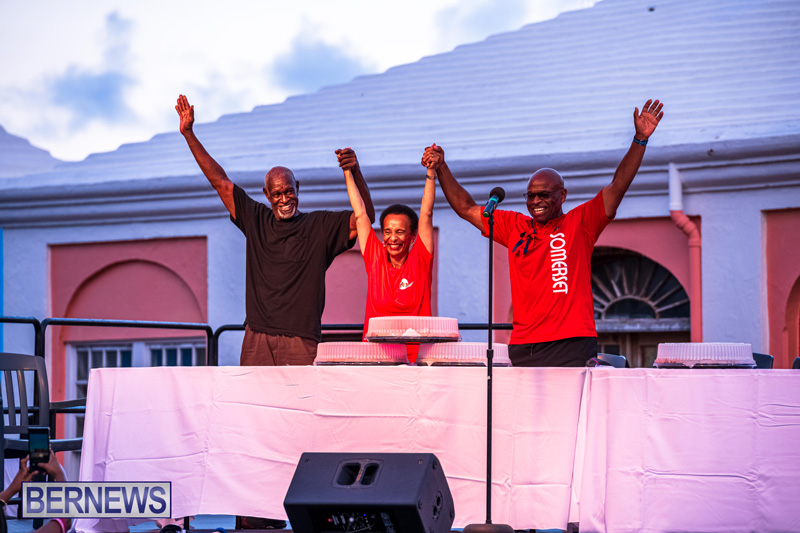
(288, 252)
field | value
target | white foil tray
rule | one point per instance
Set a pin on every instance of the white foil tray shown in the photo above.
(462, 353)
(704, 355)
(360, 353)
(412, 329)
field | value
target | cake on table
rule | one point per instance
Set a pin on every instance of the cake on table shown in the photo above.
(360, 353)
(705, 355)
(461, 354)
(412, 328)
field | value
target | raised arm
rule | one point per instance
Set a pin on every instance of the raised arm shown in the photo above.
(348, 161)
(213, 172)
(425, 230)
(458, 198)
(359, 216)
(645, 124)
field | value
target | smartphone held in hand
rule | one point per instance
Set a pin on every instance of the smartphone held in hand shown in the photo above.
(38, 445)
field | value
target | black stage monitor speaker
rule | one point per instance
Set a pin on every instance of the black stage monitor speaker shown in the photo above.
(377, 492)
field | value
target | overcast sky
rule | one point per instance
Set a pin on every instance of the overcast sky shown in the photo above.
(84, 77)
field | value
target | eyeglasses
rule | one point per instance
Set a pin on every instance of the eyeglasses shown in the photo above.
(543, 195)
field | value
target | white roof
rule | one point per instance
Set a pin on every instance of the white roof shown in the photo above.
(728, 70)
(18, 157)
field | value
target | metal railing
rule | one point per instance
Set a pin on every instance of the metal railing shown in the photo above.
(356, 328)
(37, 326)
(212, 336)
(97, 322)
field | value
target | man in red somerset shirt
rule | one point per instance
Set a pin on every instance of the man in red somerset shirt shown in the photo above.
(550, 252)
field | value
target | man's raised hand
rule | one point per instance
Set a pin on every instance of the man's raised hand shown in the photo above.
(347, 158)
(646, 121)
(186, 114)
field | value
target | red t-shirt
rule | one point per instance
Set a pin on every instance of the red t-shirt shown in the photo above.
(404, 291)
(550, 269)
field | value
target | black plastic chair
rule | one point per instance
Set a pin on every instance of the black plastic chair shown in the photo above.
(763, 360)
(23, 410)
(607, 359)
(796, 364)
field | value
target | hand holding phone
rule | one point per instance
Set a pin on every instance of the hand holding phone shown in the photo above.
(38, 446)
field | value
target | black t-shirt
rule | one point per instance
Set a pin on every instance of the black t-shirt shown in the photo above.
(286, 264)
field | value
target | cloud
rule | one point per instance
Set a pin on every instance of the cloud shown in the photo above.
(117, 39)
(91, 94)
(471, 21)
(311, 65)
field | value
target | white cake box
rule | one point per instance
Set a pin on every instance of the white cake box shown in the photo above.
(461, 354)
(360, 353)
(705, 355)
(412, 329)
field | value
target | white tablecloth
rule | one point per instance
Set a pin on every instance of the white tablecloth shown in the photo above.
(691, 450)
(619, 450)
(229, 438)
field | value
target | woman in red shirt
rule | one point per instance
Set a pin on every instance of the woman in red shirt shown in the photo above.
(399, 267)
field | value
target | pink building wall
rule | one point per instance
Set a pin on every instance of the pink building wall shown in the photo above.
(158, 279)
(782, 252)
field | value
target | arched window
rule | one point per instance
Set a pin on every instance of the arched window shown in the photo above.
(637, 305)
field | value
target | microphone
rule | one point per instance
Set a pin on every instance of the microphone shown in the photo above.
(495, 197)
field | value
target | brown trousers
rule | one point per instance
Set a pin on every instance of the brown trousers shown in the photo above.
(261, 349)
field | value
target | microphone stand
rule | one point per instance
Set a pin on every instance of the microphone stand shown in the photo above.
(488, 527)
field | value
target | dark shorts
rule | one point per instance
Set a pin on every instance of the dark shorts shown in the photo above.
(262, 349)
(574, 351)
